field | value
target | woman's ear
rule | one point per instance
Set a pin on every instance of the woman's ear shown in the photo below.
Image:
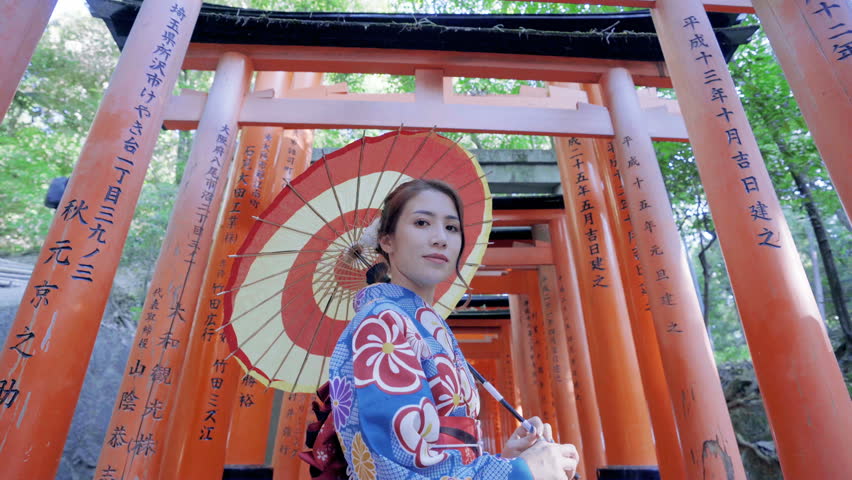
(386, 242)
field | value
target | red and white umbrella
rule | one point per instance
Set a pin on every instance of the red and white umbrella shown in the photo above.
(290, 293)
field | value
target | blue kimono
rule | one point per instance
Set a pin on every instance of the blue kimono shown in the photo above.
(404, 403)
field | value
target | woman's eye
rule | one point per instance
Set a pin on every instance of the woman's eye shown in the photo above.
(421, 223)
(453, 228)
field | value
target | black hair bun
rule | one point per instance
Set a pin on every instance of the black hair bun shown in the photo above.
(378, 273)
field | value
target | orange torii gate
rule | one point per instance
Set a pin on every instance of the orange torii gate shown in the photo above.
(792, 356)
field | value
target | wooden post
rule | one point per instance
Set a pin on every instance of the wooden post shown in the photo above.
(197, 438)
(45, 356)
(568, 426)
(593, 452)
(541, 361)
(296, 414)
(250, 423)
(524, 357)
(667, 442)
(813, 44)
(294, 155)
(136, 437)
(624, 412)
(244, 446)
(22, 23)
(805, 396)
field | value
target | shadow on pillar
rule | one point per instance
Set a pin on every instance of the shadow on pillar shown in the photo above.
(629, 473)
(249, 472)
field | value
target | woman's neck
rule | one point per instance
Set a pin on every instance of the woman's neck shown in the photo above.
(425, 292)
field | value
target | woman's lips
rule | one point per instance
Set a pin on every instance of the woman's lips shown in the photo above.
(437, 258)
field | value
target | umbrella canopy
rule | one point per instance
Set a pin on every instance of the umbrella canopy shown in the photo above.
(290, 292)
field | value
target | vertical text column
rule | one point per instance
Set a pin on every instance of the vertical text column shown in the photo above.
(806, 398)
(585, 398)
(699, 404)
(44, 360)
(198, 431)
(624, 411)
(135, 439)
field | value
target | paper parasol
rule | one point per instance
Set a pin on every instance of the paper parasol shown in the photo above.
(290, 293)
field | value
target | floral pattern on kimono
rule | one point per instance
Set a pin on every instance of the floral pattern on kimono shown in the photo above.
(395, 372)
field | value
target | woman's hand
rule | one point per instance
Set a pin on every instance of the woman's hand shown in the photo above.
(551, 461)
(521, 439)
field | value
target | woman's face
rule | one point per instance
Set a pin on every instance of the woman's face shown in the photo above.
(426, 243)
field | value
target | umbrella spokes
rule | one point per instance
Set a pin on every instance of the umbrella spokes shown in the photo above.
(290, 293)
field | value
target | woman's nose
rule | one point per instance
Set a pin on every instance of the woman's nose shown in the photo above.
(439, 238)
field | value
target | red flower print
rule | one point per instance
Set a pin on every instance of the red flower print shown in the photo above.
(417, 427)
(429, 319)
(384, 357)
(446, 388)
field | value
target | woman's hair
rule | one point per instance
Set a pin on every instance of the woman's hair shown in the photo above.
(394, 204)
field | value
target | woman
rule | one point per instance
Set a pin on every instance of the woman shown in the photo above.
(404, 403)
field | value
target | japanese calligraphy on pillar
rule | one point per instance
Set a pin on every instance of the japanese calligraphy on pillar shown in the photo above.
(96, 215)
(230, 235)
(292, 148)
(587, 209)
(731, 119)
(532, 333)
(646, 220)
(623, 214)
(831, 23)
(291, 427)
(550, 324)
(570, 338)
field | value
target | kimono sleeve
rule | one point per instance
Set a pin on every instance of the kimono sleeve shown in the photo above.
(390, 425)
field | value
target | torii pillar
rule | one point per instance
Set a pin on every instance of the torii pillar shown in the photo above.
(196, 437)
(588, 413)
(805, 396)
(45, 357)
(666, 438)
(813, 43)
(22, 23)
(624, 411)
(524, 356)
(707, 437)
(136, 435)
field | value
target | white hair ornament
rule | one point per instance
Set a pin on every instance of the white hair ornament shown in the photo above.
(370, 238)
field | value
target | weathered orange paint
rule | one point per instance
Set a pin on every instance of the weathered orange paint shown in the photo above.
(295, 153)
(22, 23)
(541, 362)
(156, 356)
(805, 396)
(296, 414)
(69, 288)
(624, 412)
(811, 47)
(523, 357)
(511, 282)
(196, 445)
(568, 422)
(250, 423)
(593, 452)
(667, 443)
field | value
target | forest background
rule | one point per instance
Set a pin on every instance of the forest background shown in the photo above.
(47, 123)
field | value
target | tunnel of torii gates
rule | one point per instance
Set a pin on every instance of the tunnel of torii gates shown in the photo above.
(606, 338)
